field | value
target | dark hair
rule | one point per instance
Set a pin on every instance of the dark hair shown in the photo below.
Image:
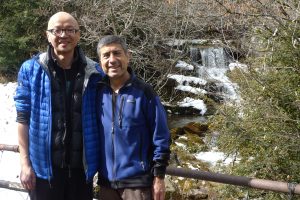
(109, 39)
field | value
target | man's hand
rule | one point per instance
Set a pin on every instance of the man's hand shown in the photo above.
(28, 177)
(159, 188)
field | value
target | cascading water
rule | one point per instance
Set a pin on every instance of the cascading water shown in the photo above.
(208, 65)
(211, 65)
(214, 57)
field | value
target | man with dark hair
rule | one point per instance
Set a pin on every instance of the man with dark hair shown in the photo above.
(134, 136)
(58, 152)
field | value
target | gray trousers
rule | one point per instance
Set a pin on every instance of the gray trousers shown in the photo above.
(125, 194)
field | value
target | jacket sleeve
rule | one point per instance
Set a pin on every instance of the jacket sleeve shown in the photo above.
(161, 136)
(22, 95)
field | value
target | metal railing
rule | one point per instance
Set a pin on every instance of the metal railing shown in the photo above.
(263, 184)
(12, 186)
(276, 186)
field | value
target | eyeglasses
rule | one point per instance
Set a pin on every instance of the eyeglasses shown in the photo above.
(59, 32)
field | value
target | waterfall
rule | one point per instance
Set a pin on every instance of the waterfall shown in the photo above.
(212, 64)
(209, 57)
(214, 57)
(203, 74)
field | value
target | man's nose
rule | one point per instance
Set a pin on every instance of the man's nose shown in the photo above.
(112, 58)
(63, 33)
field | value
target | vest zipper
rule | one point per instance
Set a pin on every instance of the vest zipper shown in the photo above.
(65, 118)
(48, 149)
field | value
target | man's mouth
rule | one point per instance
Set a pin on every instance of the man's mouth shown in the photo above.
(113, 67)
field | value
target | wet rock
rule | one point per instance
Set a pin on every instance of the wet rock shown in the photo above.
(195, 128)
(176, 132)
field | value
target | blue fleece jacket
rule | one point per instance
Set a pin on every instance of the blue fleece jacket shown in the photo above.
(134, 136)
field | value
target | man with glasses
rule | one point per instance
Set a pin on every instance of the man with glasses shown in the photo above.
(58, 152)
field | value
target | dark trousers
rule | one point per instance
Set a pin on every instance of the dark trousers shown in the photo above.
(66, 185)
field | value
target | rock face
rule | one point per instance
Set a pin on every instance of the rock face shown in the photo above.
(195, 128)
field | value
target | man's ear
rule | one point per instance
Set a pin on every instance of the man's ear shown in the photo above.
(129, 54)
(47, 36)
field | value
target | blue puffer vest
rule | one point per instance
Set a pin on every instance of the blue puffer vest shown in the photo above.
(32, 97)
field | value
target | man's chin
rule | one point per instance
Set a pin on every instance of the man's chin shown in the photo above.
(64, 50)
(113, 75)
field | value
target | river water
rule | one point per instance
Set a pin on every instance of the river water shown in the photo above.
(176, 121)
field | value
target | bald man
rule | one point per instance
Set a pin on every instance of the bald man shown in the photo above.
(58, 145)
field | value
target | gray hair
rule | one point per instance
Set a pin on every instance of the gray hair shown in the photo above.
(109, 39)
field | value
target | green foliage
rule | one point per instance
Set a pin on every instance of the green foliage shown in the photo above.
(21, 25)
(263, 131)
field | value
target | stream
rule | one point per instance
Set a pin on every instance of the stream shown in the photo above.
(176, 121)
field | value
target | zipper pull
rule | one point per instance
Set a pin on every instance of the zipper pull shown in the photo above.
(120, 122)
(70, 174)
(112, 129)
(49, 181)
(142, 164)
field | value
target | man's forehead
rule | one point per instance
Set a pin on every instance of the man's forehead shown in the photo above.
(114, 47)
(62, 19)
